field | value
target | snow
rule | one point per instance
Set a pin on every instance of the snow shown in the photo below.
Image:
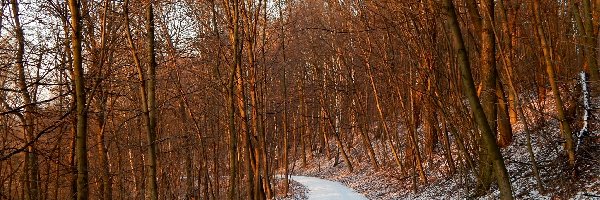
(587, 108)
(324, 189)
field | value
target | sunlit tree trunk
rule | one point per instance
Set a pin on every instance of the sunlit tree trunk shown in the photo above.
(73, 122)
(250, 18)
(146, 92)
(78, 78)
(488, 97)
(590, 40)
(507, 114)
(233, 9)
(248, 151)
(507, 22)
(505, 132)
(387, 136)
(262, 134)
(413, 140)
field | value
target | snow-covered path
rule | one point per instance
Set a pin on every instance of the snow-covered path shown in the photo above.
(320, 189)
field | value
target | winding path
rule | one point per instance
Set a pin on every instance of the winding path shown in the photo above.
(320, 189)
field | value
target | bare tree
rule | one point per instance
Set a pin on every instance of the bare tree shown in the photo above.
(478, 112)
(80, 95)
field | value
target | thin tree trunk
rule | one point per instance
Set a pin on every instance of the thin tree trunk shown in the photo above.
(106, 185)
(521, 114)
(507, 29)
(73, 138)
(232, 139)
(382, 120)
(32, 183)
(303, 119)
(263, 133)
(336, 137)
(121, 168)
(447, 147)
(478, 112)
(133, 176)
(590, 41)
(81, 141)
(152, 184)
(73, 161)
(233, 148)
(564, 125)
(286, 181)
(323, 129)
(364, 132)
(416, 154)
(145, 94)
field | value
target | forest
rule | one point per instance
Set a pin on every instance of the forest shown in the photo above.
(227, 99)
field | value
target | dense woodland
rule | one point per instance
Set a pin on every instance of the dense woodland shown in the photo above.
(216, 99)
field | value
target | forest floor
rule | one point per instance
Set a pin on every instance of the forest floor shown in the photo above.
(388, 183)
(559, 181)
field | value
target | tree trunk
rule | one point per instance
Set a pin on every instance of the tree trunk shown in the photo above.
(262, 134)
(147, 88)
(387, 136)
(336, 137)
(73, 161)
(505, 133)
(413, 137)
(81, 141)
(590, 44)
(564, 125)
(286, 182)
(233, 148)
(507, 30)
(478, 112)
(32, 183)
(152, 185)
(106, 187)
(364, 132)
(247, 147)
(521, 114)
(257, 135)
(488, 96)
(447, 147)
